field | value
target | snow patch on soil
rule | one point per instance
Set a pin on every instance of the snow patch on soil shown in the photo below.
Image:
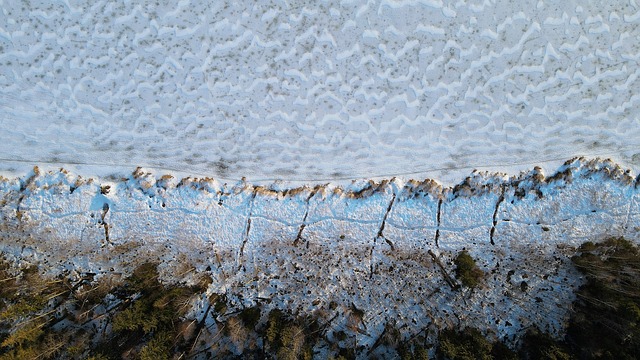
(372, 245)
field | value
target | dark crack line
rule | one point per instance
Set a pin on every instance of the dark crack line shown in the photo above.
(23, 187)
(105, 225)
(495, 216)
(438, 222)
(386, 214)
(248, 228)
(371, 262)
(246, 235)
(304, 220)
(199, 328)
(299, 236)
(219, 261)
(381, 235)
(390, 243)
(449, 280)
(628, 217)
(18, 211)
(384, 221)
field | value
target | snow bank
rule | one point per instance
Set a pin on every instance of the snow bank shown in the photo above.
(327, 248)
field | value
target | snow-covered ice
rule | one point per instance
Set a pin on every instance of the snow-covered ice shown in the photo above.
(317, 91)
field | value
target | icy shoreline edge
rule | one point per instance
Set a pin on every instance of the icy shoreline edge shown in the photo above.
(366, 245)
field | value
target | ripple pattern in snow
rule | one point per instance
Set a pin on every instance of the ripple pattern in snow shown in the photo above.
(318, 90)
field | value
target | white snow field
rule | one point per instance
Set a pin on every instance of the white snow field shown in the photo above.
(299, 98)
(318, 90)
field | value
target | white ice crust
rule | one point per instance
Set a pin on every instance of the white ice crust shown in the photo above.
(319, 90)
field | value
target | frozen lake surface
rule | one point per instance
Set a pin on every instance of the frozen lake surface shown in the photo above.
(310, 91)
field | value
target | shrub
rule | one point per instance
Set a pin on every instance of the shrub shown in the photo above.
(467, 271)
(411, 351)
(275, 323)
(157, 348)
(289, 338)
(26, 334)
(606, 318)
(98, 357)
(540, 346)
(468, 344)
(219, 302)
(237, 332)
(250, 316)
(144, 278)
(140, 316)
(292, 341)
(156, 313)
(46, 318)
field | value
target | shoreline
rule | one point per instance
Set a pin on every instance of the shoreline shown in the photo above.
(105, 173)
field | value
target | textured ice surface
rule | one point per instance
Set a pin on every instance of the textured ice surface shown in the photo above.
(320, 89)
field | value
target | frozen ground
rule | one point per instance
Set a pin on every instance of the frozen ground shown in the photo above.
(369, 245)
(317, 90)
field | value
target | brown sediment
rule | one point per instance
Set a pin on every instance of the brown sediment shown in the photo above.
(415, 188)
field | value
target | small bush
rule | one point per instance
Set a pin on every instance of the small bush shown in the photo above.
(219, 302)
(26, 334)
(540, 346)
(155, 313)
(144, 279)
(250, 317)
(411, 351)
(138, 317)
(467, 271)
(157, 348)
(470, 344)
(606, 318)
(275, 323)
(292, 343)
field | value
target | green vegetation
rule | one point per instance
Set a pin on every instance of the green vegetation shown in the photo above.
(538, 345)
(606, 319)
(470, 344)
(250, 316)
(70, 318)
(157, 348)
(145, 320)
(151, 317)
(467, 271)
(288, 337)
(25, 315)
